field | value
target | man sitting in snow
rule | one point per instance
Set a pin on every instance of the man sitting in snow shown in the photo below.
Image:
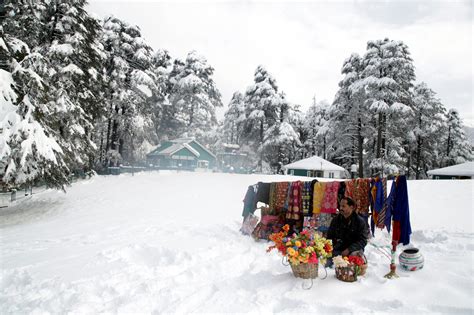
(348, 231)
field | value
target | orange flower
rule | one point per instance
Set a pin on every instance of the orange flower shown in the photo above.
(286, 227)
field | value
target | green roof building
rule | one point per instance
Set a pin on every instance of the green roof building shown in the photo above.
(181, 154)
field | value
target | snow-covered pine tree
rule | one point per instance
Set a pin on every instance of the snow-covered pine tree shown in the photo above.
(296, 118)
(262, 102)
(387, 77)
(158, 103)
(29, 151)
(280, 139)
(316, 123)
(348, 118)
(194, 95)
(427, 128)
(129, 85)
(234, 119)
(457, 148)
(70, 45)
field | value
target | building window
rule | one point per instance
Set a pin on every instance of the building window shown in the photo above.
(331, 174)
(203, 164)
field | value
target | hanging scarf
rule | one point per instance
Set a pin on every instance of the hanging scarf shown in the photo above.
(400, 212)
(329, 204)
(318, 195)
(349, 189)
(294, 202)
(272, 199)
(378, 200)
(361, 194)
(306, 192)
(281, 192)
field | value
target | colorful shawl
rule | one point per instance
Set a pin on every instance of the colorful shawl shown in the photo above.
(294, 201)
(329, 204)
(349, 189)
(281, 191)
(318, 195)
(306, 192)
(361, 195)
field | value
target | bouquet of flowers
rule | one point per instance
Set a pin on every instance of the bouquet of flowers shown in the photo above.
(348, 268)
(303, 248)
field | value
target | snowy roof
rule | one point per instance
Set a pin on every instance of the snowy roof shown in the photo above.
(176, 147)
(314, 163)
(464, 169)
(178, 144)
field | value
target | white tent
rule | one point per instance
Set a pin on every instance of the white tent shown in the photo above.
(455, 171)
(315, 166)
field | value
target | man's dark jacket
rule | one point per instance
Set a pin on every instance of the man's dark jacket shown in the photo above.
(350, 233)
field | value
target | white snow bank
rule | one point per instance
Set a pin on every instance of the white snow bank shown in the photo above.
(169, 243)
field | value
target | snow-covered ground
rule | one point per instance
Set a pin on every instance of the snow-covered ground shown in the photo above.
(170, 243)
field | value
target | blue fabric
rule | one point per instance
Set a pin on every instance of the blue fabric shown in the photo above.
(389, 203)
(401, 210)
(378, 202)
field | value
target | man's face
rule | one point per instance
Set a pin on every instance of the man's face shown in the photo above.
(346, 209)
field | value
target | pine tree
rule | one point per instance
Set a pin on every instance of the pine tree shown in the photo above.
(194, 95)
(280, 139)
(387, 77)
(234, 119)
(457, 148)
(428, 127)
(29, 151)
(261, 111)
(348, 117)
(129, 77)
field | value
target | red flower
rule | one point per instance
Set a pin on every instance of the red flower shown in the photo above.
(356, 260)
(313, 259)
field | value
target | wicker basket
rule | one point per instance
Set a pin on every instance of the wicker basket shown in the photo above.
(305, 271)
(349, 274)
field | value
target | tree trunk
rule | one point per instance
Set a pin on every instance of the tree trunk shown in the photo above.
(360, 153)
(419, 143)
(260, 161)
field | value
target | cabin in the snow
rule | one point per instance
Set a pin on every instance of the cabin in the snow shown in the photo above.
(315, 166)
(181, 154)
(459, 171)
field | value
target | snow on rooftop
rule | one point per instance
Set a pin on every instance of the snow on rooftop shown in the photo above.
(314, 163)
(464, 169)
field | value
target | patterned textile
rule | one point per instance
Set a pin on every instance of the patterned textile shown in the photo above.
(382, 217)
(361, 195)
(350, 189)
(294, 201)
(329, 204)
(378, 194)
(318, 195)
(281, 192)
(324, 221)
(306, 192)
(272, 198)
(310, 223)
(249, 224)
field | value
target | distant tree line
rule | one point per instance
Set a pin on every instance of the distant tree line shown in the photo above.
(79, 93)
(381, 120)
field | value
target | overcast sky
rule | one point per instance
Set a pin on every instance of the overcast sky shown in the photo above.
(303, 44)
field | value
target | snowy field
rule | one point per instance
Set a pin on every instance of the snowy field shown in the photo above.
(170, 243)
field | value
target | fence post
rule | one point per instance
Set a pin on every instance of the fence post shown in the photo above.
(13, 195)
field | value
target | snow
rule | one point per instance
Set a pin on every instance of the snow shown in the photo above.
(169, 243)
(314, 163)
(464, 169)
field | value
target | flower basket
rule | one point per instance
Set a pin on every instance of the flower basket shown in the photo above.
(350, 273)
(305, 270)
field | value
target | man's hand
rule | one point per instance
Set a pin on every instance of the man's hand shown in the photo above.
(345, 252)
